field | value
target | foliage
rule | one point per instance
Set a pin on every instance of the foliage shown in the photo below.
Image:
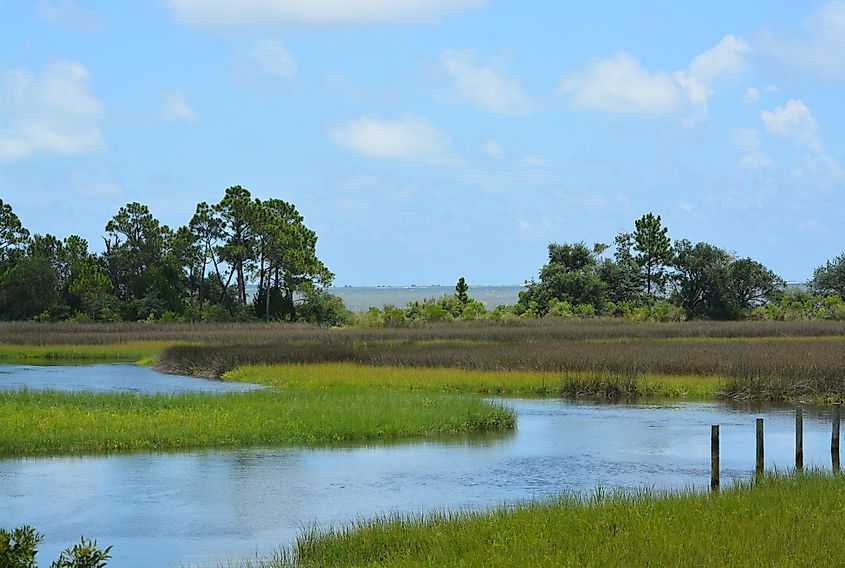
(83, 555)
(622, 274)
(19, 547)
(149, 271)
(830, 278)
(712, 283)
(322, 308)
(570, 276)
(28, 288)
(654, 251)
(461, 289)
(13, 235)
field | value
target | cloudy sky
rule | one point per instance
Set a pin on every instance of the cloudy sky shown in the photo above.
(430, 139)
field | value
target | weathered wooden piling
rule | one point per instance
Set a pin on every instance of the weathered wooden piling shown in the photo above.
(834, 436)
(714, 457)
(760, 453)
(799, 438)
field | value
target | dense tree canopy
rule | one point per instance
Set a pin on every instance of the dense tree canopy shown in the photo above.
(149, 271)
(570, 278)
(697, 280)
(245, 258)
(830, 278)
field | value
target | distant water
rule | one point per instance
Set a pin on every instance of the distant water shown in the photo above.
(362, 298)
(112, 377)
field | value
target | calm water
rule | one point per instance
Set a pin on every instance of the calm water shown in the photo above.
(108, 378)
(202, 507)
(361, 298)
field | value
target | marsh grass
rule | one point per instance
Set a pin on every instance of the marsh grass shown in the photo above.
(781, 520)
(520, 331)
(134, 351)
(50, 422)
(473, 381)
(766, 369)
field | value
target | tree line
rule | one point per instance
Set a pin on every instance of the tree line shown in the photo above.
(148, 271)
(650, 276)
(202, 270)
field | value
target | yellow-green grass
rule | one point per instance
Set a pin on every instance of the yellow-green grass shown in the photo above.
(507, 383)
(135, 351)
(50, 422)
(779, 521)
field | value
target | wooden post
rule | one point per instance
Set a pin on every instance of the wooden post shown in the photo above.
(834, 437)
(714, 457)
(799, 438)
(760, 460)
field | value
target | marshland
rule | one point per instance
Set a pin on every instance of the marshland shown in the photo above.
(463, 387)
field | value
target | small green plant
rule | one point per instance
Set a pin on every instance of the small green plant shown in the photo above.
(83, 555)
(19, 547)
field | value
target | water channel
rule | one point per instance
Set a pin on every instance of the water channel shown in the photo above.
(203, 507)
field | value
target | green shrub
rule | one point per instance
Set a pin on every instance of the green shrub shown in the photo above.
(83, 555)
(19, 547)
(323, 308)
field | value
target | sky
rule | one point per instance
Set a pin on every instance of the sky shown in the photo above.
(424, 140)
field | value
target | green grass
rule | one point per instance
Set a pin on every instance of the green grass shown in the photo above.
(506, 383)
(42, 423)
(133, 351)
(780, 521)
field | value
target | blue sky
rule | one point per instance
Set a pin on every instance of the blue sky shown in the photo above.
(430, 139)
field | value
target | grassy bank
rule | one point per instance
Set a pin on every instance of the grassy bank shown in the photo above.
(775, 368)
(456, 380)
(132, 351)
(781, 521)
(41, 423)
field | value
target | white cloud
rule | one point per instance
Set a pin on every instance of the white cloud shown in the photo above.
(70, 14)
(821, 50)
(757, 161)
(620, 84)
(793, 121)
(250, 14)
(493, 149)
(176, 109)
(54, 113)
(819, 170)
(273, 58)
(753, 93)
(483, 85)
(410, 138)
(728, 57)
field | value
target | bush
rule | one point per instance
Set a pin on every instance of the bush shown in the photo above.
(392, 316)
(560, 309)
(323, 308)
(19, 547)
(83, 555)
(473, 310)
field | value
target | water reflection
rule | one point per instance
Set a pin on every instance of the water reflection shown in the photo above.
(167, 509)
(112, 377)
